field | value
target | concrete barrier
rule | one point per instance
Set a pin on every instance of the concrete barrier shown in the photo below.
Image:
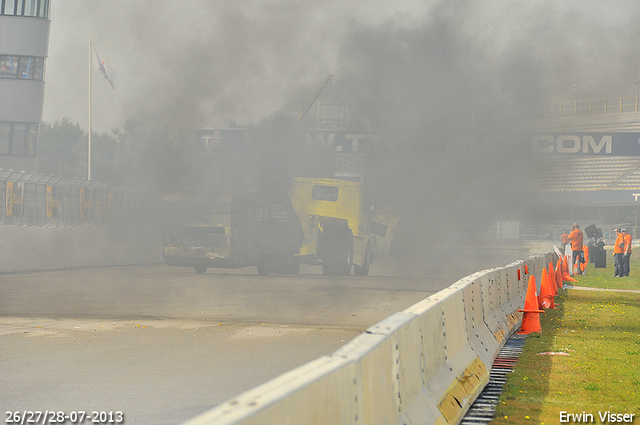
(27, 248)
(425, 365)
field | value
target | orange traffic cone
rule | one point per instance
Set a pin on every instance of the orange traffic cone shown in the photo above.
(585, 252)
(559, 274)
(566, 277)
(545, 299)
(552, 280)
(565, 274)
(531, 317)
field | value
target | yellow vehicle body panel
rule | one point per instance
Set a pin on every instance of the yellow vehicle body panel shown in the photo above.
(316, 199)
(348, 204)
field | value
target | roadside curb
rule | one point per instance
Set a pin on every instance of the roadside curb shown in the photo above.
(585, 288)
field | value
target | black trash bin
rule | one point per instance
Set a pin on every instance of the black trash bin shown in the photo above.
(598, 255)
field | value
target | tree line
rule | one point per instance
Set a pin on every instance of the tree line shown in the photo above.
(134, 155)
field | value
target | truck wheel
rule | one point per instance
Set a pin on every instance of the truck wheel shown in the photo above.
(338, 256)
(279, 264)
(331, 266)
(264, 265)
(345, 261)
(200, 269)
(342, 260)
(294, 266)
(332, 269)
(366, 264)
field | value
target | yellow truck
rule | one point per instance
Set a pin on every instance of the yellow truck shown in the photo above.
(334, 215)
(249, 229)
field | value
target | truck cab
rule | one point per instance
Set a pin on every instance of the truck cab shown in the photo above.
(334, 215)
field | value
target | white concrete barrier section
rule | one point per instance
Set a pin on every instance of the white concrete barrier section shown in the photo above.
(26, 248)
(322, 391)
(425, 365)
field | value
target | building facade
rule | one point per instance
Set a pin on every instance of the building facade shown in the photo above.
(24, 44)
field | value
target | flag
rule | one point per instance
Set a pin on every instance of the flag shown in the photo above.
(98, 64)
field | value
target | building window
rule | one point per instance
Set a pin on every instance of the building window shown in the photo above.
(32, 140)
(5, 137)
(8, 7)
(23, 67)
(33, 8)
(18, 138)
(325, 193)
(30, 8)
(43, 9)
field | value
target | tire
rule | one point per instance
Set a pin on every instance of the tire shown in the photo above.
(337, 257)
(264, 265)
(294, 266)
(345, 261)
(332, 270)
(279, 264)
(366, 264)
(339, 264)
(200, 269)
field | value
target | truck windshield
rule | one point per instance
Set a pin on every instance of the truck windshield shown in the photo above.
(194, 214)
(325, 193)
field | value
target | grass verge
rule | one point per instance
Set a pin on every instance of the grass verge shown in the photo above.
(603, 278)
(595, 368)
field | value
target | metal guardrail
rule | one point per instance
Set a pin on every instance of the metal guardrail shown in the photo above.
(569, 109)
(553, 233)
(39, 200)
(583, 108)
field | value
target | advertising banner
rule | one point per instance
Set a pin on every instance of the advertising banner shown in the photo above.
(222, 140)
(9, 199)
(347, 141)
(602, 144)
(340, 141)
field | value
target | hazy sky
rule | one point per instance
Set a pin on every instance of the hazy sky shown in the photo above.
(204, 63)
(209, 61)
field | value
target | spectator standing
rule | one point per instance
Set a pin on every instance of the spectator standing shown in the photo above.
(567, 251)
(618, 252)
(576, 237)
(627, 252)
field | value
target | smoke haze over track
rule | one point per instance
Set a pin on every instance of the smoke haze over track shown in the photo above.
(420, 68)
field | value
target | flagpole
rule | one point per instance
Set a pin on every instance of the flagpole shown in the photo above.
(89, 144)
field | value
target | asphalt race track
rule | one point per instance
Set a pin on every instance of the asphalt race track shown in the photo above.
(164, 344)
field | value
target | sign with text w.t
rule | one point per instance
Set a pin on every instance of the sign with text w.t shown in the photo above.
(98, 64)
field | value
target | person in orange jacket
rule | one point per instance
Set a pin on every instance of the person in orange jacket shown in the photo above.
(618, 252)
(565, 247)
(626, 255)
(576, 237)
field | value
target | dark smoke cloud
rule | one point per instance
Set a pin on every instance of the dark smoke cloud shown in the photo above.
(206, 63)
(426, 70)
(196, 63)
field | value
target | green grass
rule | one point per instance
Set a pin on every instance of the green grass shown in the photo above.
(603, 278)
(600, 330)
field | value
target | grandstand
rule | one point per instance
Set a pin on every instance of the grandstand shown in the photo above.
(617, 169)
(588, 185)
(582, 173)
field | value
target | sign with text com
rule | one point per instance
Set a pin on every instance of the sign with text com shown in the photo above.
(608, 144)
